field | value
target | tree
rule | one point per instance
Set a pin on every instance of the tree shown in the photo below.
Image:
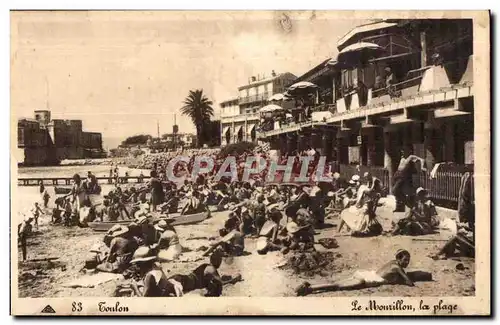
(199, 108)
(136, 139)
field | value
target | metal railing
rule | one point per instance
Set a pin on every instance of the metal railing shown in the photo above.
(254, 98)
(444, 189)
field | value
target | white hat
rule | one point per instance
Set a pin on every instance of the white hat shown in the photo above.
(355, 178)
(421, 190)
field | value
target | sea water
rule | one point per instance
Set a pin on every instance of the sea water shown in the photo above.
(26, 196)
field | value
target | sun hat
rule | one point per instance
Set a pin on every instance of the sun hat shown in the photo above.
(142, 254)
(400, 252)
(118, 230)
(421, 190)
(163, 224)
(355, 178)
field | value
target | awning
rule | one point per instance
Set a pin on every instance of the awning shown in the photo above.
(250, 127)
(237, 129)
(225, 129)
(364, 29)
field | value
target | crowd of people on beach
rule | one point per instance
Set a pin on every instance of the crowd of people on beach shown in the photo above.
(279, 216)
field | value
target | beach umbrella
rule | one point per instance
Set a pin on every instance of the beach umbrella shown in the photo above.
(301, 88)
(301, 85)
(358, 51)
(270, 108)
(276, 98)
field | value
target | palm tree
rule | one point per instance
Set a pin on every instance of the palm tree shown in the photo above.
(199, 108)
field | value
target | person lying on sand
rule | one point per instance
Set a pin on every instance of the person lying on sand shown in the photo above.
(390, 273)
(205, 276)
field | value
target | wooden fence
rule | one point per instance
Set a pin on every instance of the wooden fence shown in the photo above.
(443, 189)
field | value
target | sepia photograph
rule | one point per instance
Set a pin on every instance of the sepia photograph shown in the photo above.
(320, 162)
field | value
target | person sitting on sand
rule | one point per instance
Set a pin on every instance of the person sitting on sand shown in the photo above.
(300, 235)
(193, 204)
(205, 276)
(121, 248)
(172, 203)
(421, 219)
(349, 195)
(168, 247)
(153, 278)
(268, 235)
(147, 233)
(232, 241)
(390, 273)
(360, 218)
(463, 243)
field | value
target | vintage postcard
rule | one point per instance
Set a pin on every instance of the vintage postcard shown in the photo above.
(250, 163)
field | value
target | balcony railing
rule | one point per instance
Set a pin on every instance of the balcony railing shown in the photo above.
(255, 98)
(240, 118)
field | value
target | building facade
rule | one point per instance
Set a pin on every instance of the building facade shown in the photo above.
(398, 87)
(240, 116)
(47, 141)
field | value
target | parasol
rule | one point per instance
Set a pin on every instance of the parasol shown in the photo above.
(270, 108)
(358, 50)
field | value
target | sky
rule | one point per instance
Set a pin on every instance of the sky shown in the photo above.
(122, 72)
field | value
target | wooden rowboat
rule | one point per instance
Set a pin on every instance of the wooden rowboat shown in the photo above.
(178, 220)
(62, 190)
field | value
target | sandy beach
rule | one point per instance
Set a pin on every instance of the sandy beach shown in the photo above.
(261, 274)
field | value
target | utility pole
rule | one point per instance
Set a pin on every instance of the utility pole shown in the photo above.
(175, 132)
(158, 128)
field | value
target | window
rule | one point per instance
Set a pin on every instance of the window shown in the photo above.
(265, 88)
(347, 78)
(257, 90)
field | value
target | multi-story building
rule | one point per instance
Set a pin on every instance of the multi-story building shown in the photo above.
(239, 116)
(46, 141)
(397, 86)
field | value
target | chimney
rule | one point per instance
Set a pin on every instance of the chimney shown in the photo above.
(254, 79)
(273, 73)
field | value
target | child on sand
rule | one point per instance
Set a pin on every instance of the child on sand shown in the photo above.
(391, 273)
(36, 213)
